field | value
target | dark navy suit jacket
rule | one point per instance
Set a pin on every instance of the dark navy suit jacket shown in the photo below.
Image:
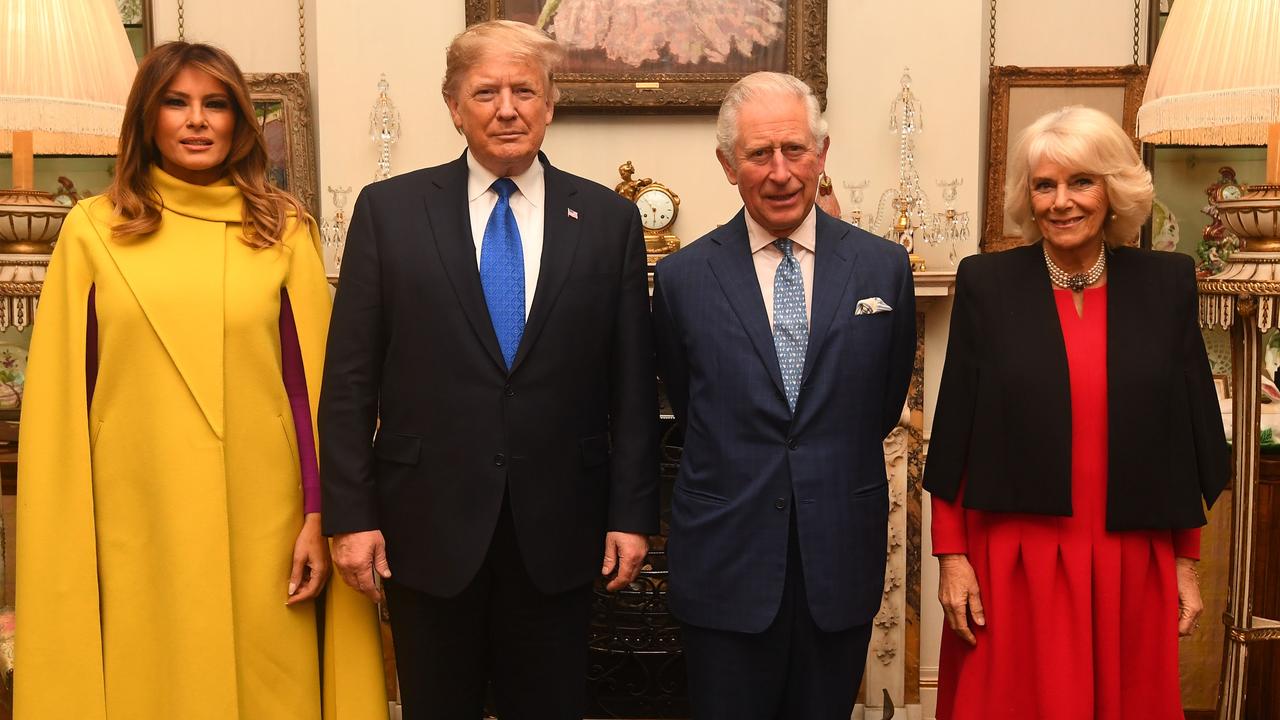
(568, 435)
(747, 459)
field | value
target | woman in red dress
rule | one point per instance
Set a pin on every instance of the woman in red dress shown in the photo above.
(1075, 445)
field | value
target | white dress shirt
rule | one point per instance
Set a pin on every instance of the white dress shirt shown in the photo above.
(528, 204)
(767, 257)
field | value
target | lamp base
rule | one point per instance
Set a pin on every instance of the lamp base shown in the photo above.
(1254, 217)
(29, 221)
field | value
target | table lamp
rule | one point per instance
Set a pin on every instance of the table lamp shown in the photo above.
(1215, 80)
(65, 71)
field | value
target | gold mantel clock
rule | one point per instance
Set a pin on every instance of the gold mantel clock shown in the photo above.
(658, 206)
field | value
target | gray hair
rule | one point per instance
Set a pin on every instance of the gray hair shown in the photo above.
(758, 85)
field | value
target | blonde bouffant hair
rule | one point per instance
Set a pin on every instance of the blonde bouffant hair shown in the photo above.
(1083, 140)
(516, 39)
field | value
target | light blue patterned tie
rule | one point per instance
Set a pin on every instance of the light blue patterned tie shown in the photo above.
(790, 321)
(502, 271)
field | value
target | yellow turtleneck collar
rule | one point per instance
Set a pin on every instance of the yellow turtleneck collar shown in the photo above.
(220, 201)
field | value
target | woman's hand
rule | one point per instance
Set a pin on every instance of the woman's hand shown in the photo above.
(1189, 603)
(958, 593)
(310, 562)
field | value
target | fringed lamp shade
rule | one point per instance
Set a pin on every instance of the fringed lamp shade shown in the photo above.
(1215, 79)
(65, 71)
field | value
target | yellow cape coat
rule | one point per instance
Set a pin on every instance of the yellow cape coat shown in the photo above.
(156, 527)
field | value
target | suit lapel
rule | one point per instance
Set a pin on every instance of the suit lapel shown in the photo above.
(736, 273)
(176, 277)
(833, 266)
(560, 235)
(446, 206)
(1030, 302)
(1125, 322)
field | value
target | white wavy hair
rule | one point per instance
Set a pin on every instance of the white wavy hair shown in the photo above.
(762, 84)
(1084, 140)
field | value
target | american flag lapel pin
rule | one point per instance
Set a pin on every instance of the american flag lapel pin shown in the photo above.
(573, 213)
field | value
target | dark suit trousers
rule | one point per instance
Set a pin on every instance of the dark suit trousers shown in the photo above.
(500, 627)
(791, 671)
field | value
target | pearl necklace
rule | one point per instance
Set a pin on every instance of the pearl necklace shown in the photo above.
(1076, 282)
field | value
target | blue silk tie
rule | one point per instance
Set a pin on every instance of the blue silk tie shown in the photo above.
(502, 271)
(790, 321)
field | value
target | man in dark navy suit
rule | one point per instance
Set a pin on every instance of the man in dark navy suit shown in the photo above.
(786, 339)
(493, 316)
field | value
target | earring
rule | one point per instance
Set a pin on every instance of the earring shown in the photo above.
(1113, 216)
(1033, 218)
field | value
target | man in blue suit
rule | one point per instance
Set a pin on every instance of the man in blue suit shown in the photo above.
(786, 339)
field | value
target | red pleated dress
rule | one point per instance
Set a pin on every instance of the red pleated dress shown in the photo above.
(1081, 622)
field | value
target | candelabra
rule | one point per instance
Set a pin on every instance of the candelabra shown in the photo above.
(950, 226)
(384, 128)
(333, 231)
(903, 214)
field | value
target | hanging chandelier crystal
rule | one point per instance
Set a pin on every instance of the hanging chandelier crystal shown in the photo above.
(384, 128)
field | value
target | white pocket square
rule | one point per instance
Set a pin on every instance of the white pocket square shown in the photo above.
(871, 306)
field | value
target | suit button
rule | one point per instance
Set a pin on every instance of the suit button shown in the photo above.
(499, 460)
(793, 443)
(780, 503)
(508, 391)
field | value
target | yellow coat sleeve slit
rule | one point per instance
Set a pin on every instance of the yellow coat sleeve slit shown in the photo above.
(57, 578)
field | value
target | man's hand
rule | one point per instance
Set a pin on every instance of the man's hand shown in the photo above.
(356, 556)
(959, 595)
(625, 552)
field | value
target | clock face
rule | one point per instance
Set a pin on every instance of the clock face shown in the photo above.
(657, 210)
(1230, 192)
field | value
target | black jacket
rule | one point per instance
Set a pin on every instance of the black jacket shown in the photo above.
(751, 468)
(1003, 416)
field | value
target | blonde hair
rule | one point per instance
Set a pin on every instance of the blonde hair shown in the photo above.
(137, 203)
(764, 84)
(1089, 141)
(516, 39)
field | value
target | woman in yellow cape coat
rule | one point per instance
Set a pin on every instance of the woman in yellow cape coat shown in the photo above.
(156, 520)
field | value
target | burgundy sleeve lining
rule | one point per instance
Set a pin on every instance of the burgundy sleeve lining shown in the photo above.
(295, 386)
(91, 349)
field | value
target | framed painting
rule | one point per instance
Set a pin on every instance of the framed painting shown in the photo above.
(670, 56)
(282, 103)
(1019, 95)
(138, 25)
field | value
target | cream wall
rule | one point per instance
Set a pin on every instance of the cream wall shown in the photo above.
(944, 42)
(262, 35)
(1089, 32)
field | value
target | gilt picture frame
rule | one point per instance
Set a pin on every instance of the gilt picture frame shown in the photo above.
(138, 24)
(282, 103)
(670, 62)
(1019, 95)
